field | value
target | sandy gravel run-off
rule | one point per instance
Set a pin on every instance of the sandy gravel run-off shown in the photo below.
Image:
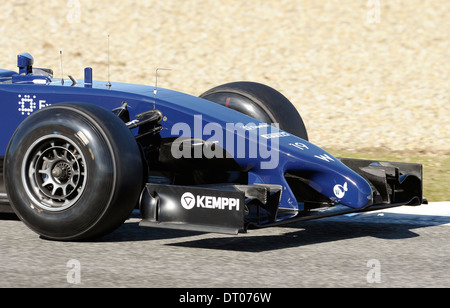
(359, 81)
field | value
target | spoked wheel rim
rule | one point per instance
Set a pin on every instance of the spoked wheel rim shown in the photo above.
(54, 173)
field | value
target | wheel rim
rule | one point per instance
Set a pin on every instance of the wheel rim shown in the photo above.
(54, 173)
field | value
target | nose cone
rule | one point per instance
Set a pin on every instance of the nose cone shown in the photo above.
(325, 173)
(355, 192)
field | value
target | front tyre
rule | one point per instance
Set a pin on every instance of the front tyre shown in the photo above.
(73, 171)
(261, 102)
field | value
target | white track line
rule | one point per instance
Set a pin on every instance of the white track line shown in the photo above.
(433, 208)
(432, 214)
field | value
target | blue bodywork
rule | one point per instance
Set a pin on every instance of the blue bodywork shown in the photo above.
(263, 152)
(24, 96)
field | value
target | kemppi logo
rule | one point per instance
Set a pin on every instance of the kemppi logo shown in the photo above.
(189, 201)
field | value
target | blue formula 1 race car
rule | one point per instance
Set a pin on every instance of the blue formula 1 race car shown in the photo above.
(77, 156)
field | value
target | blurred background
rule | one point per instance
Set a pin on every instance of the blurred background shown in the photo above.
(367, 75)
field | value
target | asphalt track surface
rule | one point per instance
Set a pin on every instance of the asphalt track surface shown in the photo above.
(400, 247)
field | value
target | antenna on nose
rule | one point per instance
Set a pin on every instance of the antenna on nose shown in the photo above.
(109, 81)
(155, 90)
(62, 71)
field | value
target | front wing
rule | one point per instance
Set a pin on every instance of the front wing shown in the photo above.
(233, 208)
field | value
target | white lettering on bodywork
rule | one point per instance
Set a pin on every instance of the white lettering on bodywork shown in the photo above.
(189, 201)
(29, 103)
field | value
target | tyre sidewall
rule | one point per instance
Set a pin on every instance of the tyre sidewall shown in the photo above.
(275, 105)
(103, 164)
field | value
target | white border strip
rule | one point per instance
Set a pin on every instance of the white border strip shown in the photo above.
(433, 208)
